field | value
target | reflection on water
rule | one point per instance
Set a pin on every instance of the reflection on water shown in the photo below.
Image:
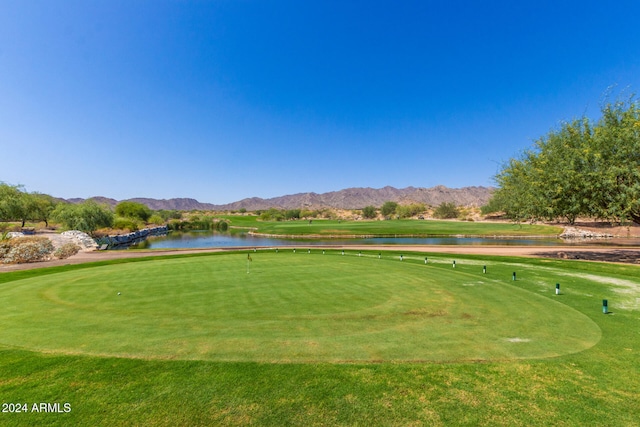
(208, 239)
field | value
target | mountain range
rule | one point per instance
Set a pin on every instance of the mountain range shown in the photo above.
(350, 198)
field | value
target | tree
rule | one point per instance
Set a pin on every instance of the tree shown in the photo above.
(388, 208)
(369, 212)
(133, 210)
(446, 210)
(581, 169)
(407, 211)
(11, 202)
(292, 214)
(18, 205)
(87, 216)
(272, 214)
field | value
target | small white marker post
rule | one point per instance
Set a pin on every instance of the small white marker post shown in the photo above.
(454, 263)
(514, 276)
(557, 288)
(425, 260)
(323, 252)
(484, 269)
(605, 306)
(360, 253)
(379, 255)
(276, 250)
(401, 258)
(343, 252)
(294, 250)
(308, 251)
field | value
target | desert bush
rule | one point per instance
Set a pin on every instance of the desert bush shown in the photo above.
(407, 211)
(66, 250)
(369, 212)
(222, 226)
(122, 223)
(87, 216)
(446, 210)
(272, 214)
(20, 250)
(133, 210)
(156, 219)
(388, 208)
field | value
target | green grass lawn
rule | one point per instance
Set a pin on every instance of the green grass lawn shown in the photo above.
(313, 339)
(405, 227)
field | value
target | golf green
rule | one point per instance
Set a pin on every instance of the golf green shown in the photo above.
(289, 307)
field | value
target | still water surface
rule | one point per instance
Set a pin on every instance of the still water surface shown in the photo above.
(208, 239)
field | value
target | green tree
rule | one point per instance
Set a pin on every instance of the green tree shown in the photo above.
(87, 216)
(272, 214)
(388, 208)
(446, 210)
(133, 210)
(11, 202)
(407, 211)
(369, 212)
(292, 214)
(581, 169)
(18, 205)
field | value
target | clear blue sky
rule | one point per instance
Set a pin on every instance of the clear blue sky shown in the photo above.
(222, 100)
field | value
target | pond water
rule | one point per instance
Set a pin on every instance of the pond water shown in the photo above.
(208, 239)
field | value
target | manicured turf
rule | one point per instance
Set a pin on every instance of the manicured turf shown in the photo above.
(405, 227)
(593, 381)
(290, 307)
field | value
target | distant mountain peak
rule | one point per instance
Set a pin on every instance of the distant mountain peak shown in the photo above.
(349, 198)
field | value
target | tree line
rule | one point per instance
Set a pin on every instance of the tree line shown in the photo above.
(18, 205)
(585, 168)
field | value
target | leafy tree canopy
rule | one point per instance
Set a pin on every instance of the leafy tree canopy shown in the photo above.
(87, 216)
(584, 168)
(388, 208)
(133, 210)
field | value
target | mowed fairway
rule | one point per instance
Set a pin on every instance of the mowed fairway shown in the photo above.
(291, 307)
(316, 340)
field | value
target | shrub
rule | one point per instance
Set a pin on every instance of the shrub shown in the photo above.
(121, 223)
(388, 208)
(87, 216)
(446, 210)
(407, 211)
(272, 214)
(20, 250)
(66, 250)
(156, 219)
(133, 210)
(369, 212)
(222, 226)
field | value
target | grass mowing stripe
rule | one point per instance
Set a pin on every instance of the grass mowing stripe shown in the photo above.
(290, 307)
(597, 386)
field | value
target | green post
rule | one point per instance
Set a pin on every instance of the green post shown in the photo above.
(605, 306)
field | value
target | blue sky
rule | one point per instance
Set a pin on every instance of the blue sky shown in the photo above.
(222, 100)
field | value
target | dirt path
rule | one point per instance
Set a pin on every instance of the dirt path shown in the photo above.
(609, 254)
